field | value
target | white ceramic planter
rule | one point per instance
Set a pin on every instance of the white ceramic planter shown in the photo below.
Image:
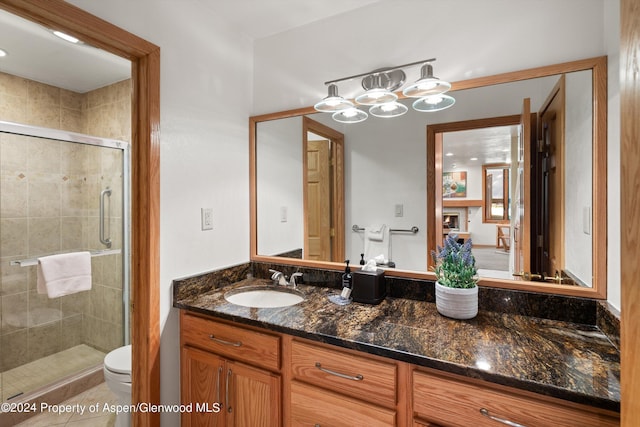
(457, 303)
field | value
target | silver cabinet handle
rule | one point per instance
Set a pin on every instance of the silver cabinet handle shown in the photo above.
(231, 343)
(338, 374)
(485, 412)
(227, 390)
(218, 379)
(104, 240)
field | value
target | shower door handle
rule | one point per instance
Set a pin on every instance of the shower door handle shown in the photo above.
(104, 240)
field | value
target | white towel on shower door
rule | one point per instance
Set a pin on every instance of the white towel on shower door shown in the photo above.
(377, 243)
(64, 274)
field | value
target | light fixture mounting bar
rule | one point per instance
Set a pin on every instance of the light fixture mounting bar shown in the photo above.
(397, 67)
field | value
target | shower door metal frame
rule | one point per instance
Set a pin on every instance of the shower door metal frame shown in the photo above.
(74, 137)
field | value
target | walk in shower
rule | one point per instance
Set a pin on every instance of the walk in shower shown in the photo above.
(60, 192)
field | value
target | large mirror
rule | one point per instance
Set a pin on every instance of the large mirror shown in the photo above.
(518, 165)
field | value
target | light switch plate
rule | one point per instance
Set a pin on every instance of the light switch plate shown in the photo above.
(283, 214)
(399, 210)
(206, 218)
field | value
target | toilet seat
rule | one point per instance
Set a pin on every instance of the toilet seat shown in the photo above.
(117, 364)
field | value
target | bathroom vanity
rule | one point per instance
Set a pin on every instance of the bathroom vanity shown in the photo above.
(397, 363)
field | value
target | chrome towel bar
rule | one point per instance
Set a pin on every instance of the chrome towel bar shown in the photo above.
(34, 261)
(413, 229)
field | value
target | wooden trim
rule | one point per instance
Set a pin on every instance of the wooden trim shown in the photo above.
(145, 143)
(505, 192)
(630, 210)
(462, 203)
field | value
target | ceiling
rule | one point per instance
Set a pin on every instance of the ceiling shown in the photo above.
(35, 53)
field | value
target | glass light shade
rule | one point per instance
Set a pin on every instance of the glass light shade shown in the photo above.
(427, 84)
(390, 109)
(434, 103)
(333, 102)
(376, 96)
(351, 115)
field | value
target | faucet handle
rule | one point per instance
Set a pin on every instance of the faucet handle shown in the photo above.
(276, 274)
(292, 280)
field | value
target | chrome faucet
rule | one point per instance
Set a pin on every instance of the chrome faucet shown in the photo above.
(280, 279)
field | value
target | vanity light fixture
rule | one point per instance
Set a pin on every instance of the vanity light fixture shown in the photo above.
(434, 103)
(427, 85)
(350, 115)
(389, 109)
(380, 86)
(3, 53)
(333, 102)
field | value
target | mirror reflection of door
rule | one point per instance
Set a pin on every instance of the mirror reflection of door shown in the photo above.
(485, 151)
(323, 176)
(548, 179)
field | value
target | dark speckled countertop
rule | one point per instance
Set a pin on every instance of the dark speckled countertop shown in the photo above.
(570, 361)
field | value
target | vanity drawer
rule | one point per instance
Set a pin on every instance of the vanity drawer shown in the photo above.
(245, 345)
(345, 372)
(452, 402)
(312, 406)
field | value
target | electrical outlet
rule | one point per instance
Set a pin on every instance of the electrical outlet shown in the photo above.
(206, 218)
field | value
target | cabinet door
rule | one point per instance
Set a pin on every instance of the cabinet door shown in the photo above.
(202, 387)
(253, 396)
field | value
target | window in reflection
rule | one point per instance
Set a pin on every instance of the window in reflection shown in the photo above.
(496, 193)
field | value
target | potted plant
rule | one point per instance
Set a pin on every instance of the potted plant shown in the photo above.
(456, 273)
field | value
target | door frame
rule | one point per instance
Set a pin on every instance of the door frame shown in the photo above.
(145, 178)
(434, 169)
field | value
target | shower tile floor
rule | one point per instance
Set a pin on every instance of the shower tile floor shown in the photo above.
(47, 370)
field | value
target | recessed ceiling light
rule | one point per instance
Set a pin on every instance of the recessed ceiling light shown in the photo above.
(449, 154)
(3, 53)
(66, 37)
(473, 158)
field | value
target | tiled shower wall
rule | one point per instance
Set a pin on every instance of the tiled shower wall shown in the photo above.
(49, 203)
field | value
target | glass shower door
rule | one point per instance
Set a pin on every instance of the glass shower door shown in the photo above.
(58, 194)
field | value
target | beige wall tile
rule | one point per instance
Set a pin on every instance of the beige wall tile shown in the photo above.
(14, 109)
(43, 309)
(13, 195)
(13, 153)
(71, 331)
(14, 349)
(13, 278)
(14, 234)
(71, 229)
(113, 305)
(13, 85)
(43, 156)
(44, 236)
(14, 312)
(72, 194)
(44, 195)
(44, 340)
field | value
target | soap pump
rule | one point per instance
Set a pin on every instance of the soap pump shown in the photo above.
(347, 282)
(362, 262)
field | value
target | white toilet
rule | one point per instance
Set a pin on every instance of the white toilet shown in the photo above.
(117, 375)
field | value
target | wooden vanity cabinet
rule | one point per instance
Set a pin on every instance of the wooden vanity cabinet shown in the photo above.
(229, 374)
(335, 387)
(260, 378)
(446, 400)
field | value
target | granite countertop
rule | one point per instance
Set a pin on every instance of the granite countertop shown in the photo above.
(570, 361)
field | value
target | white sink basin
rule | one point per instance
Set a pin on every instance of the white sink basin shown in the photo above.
(264, 296)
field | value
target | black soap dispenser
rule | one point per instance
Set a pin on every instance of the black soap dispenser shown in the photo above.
(362, 259)
(347, 282)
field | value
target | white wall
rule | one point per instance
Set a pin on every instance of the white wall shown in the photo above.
(578, 189)
(204, 147)
(468, 38)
